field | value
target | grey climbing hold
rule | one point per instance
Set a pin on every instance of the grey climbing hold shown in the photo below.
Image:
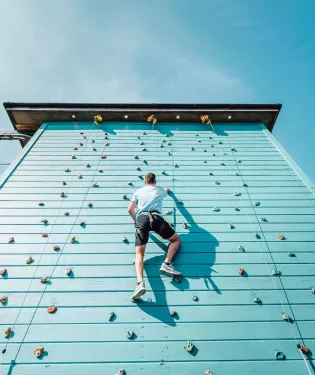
(257, 300)
(263, 219)
(164, 140)
(144, 161)
(241, 248)
(120, 372)
(39, 351)
(7, 332)
(204, 150)
(212, 145)
(257, 204)
(236, 174)
(29, 260)
(195, 298)
(138, 137)
(173, 313)
(185, 225)
(217, 183)
(216, 209)
(189, 346)
(286, 317)
(213, 154)
(199, 141)
(124, 196)
(111, 316)
(205, 161)
(3, 300)
(124, 239)
(136, 157)
(197, 135)
(169, 212)
(276, 273)
(130, 335)
(237, 194)
(279, 355)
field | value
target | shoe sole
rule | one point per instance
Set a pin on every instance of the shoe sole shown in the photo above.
(137, 295)
(171, 274)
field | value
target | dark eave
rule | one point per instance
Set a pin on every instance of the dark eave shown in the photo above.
(28, 117)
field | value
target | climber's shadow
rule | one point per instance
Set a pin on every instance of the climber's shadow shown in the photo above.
(195, 261)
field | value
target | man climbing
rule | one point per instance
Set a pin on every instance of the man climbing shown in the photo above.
(148, 200)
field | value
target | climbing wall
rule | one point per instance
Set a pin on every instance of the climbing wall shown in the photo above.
(247, 225)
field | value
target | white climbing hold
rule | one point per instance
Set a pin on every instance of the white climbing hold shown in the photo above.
(3, 300)
(124, 239)
(286, 317)
(208, 372)
(313, 290)
(7, 332)
(120, 372)
(29, 260)
(130, 335)
(44, 279)
(189, 346)
(68, 271)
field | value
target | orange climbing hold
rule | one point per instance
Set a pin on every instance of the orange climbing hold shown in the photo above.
(304, 349)
(103, 157)
(52, 309)
(241, 271)
(3, 272)
(281, 237)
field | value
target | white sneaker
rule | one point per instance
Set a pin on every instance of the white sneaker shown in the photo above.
(169, 270)
(139, 291)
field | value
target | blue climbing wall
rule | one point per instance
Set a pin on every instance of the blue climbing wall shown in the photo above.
(231, 226)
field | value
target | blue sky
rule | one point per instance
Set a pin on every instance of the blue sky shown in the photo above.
(187, 51)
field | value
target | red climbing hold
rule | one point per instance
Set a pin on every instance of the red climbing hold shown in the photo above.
(56, 248)
(101, 170)
(81, 133)
(52, 309)
(45, 235)
(11, 239)
(64, 183)
(66, 214)
(304, 349)
(103, 157)
(93, 141)
(3, 272)
(94, 149)
(74, 148)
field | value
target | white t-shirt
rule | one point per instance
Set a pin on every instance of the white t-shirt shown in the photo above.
(149, 198)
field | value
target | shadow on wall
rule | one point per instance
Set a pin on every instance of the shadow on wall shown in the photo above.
(159, 309)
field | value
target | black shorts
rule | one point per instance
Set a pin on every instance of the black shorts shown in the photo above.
(159, 226)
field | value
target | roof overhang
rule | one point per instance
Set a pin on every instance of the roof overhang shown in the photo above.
(28, 117)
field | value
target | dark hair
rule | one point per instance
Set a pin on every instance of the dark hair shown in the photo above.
(150, 178)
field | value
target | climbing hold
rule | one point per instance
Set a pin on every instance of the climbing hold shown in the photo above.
(81, 133)
(205, 119)
(3, 300)
(304, 349)
(73, 157)
(130, 183)
(100, 170)
(66, 214)
(276, 273)
(52, 309)
(29, 260)
(3, 272)
(236, 209)
(106, 137)
(177, 279)
(169, 212)
(11, 240)
(144, 133)
(222, 163)
(144, 149)
(62, 194)
(98, 119)
(213, 154)
(81, 144)
(232, 149)
(124, 196)
(192, 149)
(204, 150)
(216, 209)
(279, 355)
(90, 204)
(292, 255)
(210, 174)
(136, 157)
(217, 183)
(241, 248)
(130, 335)
(79, 176)
(176, 166)
(163, 172)
(44, 221)
(87, 165)
(84, 137)
(313, 290)
(44, 235)
(161, 146)
(39, 351)
(197, 135)
(257, 300)
(142, 143)
(173, 313)
(103, 157)
(93, 141)
(44, 279)
(56, 248)
(67, 170)
(257, 236)
(189, 346)
(257, 204)
(75, 149)
(245, 185)
(72, 239)
(107, 144)
(82, 223)
(241, 271)
(124, 239)
(94, 184)
(205, 161)
(64, 183)
(212, 145)
(281, 237)
(111, 316)
(286, 317)
(220, 143)
(195, 298)
(236, 174)
(169, 153)
(237, 194)
(169, 144)
(141, 177)
(180, 202)
(231, 226)
(185, 225)
(120, 372)
(208, 372)
(41, 204)
(199, 141)
(263, 219)
(166, 135)
(239, 161)
(7, 332)
(68, 271)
